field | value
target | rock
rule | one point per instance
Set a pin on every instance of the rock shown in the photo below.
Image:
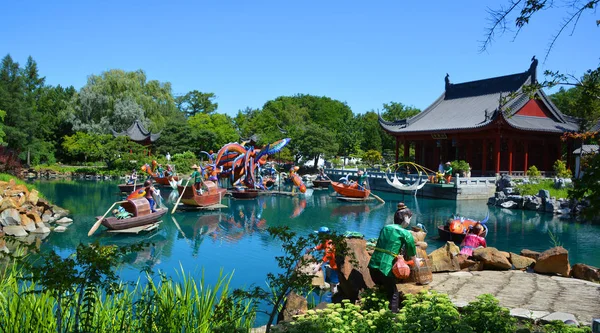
(47, 216)
(60, 228)
(492, 258)
(508, 190)
(15, 230)
(564, 211)
(504, 182)
(411, 288)
(7, 203)
(354, 279)
(521, 262)
(59, 212)
(585, 272)
(33, 197)
(505, 254)
(532, 203)
(64, 220)
(500, 196)
(530, 254)
(294, 305)
(21, 188)
(515, 197)
(445, 259)
(553, 261)
(509, 204)
(9, 217)
(41, 230)
(418, 236)
(34, 216)
(551, 206)
(27, 223)
(465, 263)
(561, 316)
(421, 245)
(544, 194)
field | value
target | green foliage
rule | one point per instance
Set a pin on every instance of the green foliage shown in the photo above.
(195, 102)
(430, 312)
(485, 315)
(6, 178)
(558, 326)
(548, 184)
(533, 172)
(220, 125)
(2, 134)
(588, 187)
(372, 157)
(460, 166)
(178, 137)
(560, 168)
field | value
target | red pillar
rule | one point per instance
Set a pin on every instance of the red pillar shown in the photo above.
(497, 153)
(484, 158)
(526, 152)
(397, 148)
(510, 156)
(406, 150)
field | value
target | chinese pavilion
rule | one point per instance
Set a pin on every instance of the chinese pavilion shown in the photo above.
(490, 124)
(138, 133)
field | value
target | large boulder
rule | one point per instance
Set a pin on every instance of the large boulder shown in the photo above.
(468, 264)
(551, 205)
(8, 203)
(15, 230)
(532, 202)
(503, 182)
(294, 305)
(553, 261)
(530, 254)
(509, 204)
(544, 194)
(355, 278)
(445, 259)
(521, 262)
(64, 220)
(9, 217)
(34, 196)
(27, 223)
(585, 272)
(492, 258)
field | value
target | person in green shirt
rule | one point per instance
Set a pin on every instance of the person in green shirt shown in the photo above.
(197, 177)
(392, 238)
(160, 171)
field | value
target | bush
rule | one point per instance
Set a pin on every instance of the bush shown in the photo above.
(429, 312)
(485, 315)
(560, 168)
(533, 172)
(458, 167)
(560, 327)
(548, 184)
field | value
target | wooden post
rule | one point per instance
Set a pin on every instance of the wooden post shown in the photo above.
(510, 156)
(497, 153)
(569, 153)
(526, 158)
(418, 152)
(545, 152)
(559, 149)
(484, 158)
(397, 148)
(469, 150)
(406, 150)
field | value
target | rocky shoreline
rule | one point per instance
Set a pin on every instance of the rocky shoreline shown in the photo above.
(26, 216)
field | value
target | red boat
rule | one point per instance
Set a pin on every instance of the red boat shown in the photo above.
(457, 229)
(244, 193)
(211, 195)
(140, 209)
(128, 188)
(321, 183)
(350, 191)
(165, 180)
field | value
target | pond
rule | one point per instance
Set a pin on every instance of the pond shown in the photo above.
(234, 239)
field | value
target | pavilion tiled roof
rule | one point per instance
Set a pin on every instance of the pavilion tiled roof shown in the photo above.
(138, 133)
(476, 104)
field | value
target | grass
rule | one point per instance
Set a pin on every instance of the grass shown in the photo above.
(533, 189)
(6, 177)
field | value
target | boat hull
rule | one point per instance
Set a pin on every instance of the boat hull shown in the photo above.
(211, 197)
(165, 180)
(245, 194)
(321, 183)
(347, 191)
(112, 223)
(128, 188)
(446, 235)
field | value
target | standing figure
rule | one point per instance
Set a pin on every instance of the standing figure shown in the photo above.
(392, 238)
(403, 214)
(197, 177)
(168, 157)
(149, 194)
(160, 171)
(361, 181)
(132, 177)
(329, 266)
(447, 172)
(473, 240)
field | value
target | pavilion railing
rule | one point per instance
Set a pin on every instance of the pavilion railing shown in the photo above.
(411, 178)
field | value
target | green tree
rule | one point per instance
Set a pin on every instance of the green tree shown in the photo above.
(372, 157)
(371, 131)
(2, 115)
(397, 111)
(220, 125)
(314, 142)
(195, 102)
(565, 99)
(179, 137)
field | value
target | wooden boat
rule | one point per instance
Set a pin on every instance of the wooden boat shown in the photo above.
(142, 215)
(349, 191)
(446, 234)
(210, 196)
(128, 188)
(165, 180)
(321, 183)
(244, 193)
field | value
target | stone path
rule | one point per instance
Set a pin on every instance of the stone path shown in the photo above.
(528, 295)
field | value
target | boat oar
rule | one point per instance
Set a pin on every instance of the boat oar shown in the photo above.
(97, 224)
(376, 197)
(180, 196)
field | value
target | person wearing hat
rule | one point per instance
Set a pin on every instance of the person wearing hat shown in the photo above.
(150, 191)
(392, 238)
(402, 214)
(447, 172)
(197, 177)
(328, 264)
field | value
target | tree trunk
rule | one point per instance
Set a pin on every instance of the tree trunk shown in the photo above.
(317, 160)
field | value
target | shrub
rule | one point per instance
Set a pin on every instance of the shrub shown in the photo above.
(485, 315)
(533, 172)
(560, 327)
(429, 312)
(458, 167)
(560, 168)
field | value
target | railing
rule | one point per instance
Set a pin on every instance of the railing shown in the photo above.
(457, 181)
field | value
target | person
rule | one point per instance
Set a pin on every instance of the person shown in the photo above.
(168, 157)
(447, 172)
(328, 265)
(160, 171)
(321, 175)
(361, 182)
(197, 177)
(403, 214)
(169, 171)
(132, 177)
(149, 194)
(473, 240)
(392, 238)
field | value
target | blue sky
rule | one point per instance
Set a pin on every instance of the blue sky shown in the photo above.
(248, 52)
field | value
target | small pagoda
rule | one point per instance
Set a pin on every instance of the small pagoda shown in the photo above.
(138, 133)
(489, 123)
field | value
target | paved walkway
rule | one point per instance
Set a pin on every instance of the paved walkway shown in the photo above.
(528, 295)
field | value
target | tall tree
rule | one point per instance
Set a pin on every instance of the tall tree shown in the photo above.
(397, 111)
(195, 102)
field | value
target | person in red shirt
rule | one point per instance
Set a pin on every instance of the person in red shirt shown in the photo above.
(328, 264)
(473, 240)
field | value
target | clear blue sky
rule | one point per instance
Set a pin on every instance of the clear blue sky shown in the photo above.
(365, 53)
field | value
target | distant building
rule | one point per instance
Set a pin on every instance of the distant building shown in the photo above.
(490, 124)
(138, 133)
(579, 152)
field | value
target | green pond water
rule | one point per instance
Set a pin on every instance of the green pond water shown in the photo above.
(234, 239)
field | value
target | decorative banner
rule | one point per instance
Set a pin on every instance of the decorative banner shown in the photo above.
(438, 136)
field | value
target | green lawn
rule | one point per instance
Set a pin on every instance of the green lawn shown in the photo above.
(533, 189)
